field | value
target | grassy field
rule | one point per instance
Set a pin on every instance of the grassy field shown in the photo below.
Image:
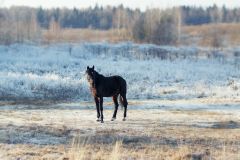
(225, 34)
(69, 131)
(86, 35)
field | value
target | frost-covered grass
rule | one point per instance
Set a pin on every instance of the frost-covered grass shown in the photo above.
(56, 72)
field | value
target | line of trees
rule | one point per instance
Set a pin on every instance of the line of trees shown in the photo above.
(18, 24)
(113, 17)
(213, 14)
(96, 18)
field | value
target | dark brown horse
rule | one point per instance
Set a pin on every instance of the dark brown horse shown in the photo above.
(112, 86)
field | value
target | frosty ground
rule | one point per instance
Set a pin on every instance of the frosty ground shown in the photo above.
(56, 72)
(159, 129)
(183, 102)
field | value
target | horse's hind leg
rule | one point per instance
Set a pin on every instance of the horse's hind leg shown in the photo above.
(116, 107)
(125, 103)
(101, 108)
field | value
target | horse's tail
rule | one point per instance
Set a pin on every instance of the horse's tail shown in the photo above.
(123, 92)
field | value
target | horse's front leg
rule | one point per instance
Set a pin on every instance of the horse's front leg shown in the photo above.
(97, 107)
(101, 108)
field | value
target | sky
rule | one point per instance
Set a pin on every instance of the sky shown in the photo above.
(142, 4)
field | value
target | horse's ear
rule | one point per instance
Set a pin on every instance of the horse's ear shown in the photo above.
(93, 67)
(87, 67)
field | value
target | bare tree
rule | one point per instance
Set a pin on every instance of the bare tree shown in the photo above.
(34, 29)
(216, 14)
(159, 27)
(54, 31)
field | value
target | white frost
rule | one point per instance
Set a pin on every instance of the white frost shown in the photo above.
(57, 71)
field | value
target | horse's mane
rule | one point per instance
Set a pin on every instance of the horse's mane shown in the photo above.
(98, 75)
(96, 79)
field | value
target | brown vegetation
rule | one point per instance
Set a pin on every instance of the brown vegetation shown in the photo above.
(147, 134)
(210, 35)
(216, 35)
(86, 35)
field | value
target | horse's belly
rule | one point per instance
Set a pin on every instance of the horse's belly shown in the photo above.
(109, 93)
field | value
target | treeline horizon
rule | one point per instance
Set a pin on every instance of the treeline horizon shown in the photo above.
(99, 17)
(154, 25)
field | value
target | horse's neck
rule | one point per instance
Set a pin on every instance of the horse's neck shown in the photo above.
(97, 80)
(99, 76)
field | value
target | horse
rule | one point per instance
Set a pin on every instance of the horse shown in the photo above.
(101, 86)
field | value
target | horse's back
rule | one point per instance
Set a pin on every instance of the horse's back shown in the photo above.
(118, 79)
(113, 85)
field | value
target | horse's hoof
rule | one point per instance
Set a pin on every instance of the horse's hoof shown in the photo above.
(98, 120)
(113, 119)
(124, 119)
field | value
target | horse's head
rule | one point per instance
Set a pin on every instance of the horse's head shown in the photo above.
(91, 74)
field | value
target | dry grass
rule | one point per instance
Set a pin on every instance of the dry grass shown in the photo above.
(203, 35)
(179, 151)
(86, 35)
(73, 134)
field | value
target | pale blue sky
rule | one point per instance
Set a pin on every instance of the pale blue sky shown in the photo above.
(142, 4)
